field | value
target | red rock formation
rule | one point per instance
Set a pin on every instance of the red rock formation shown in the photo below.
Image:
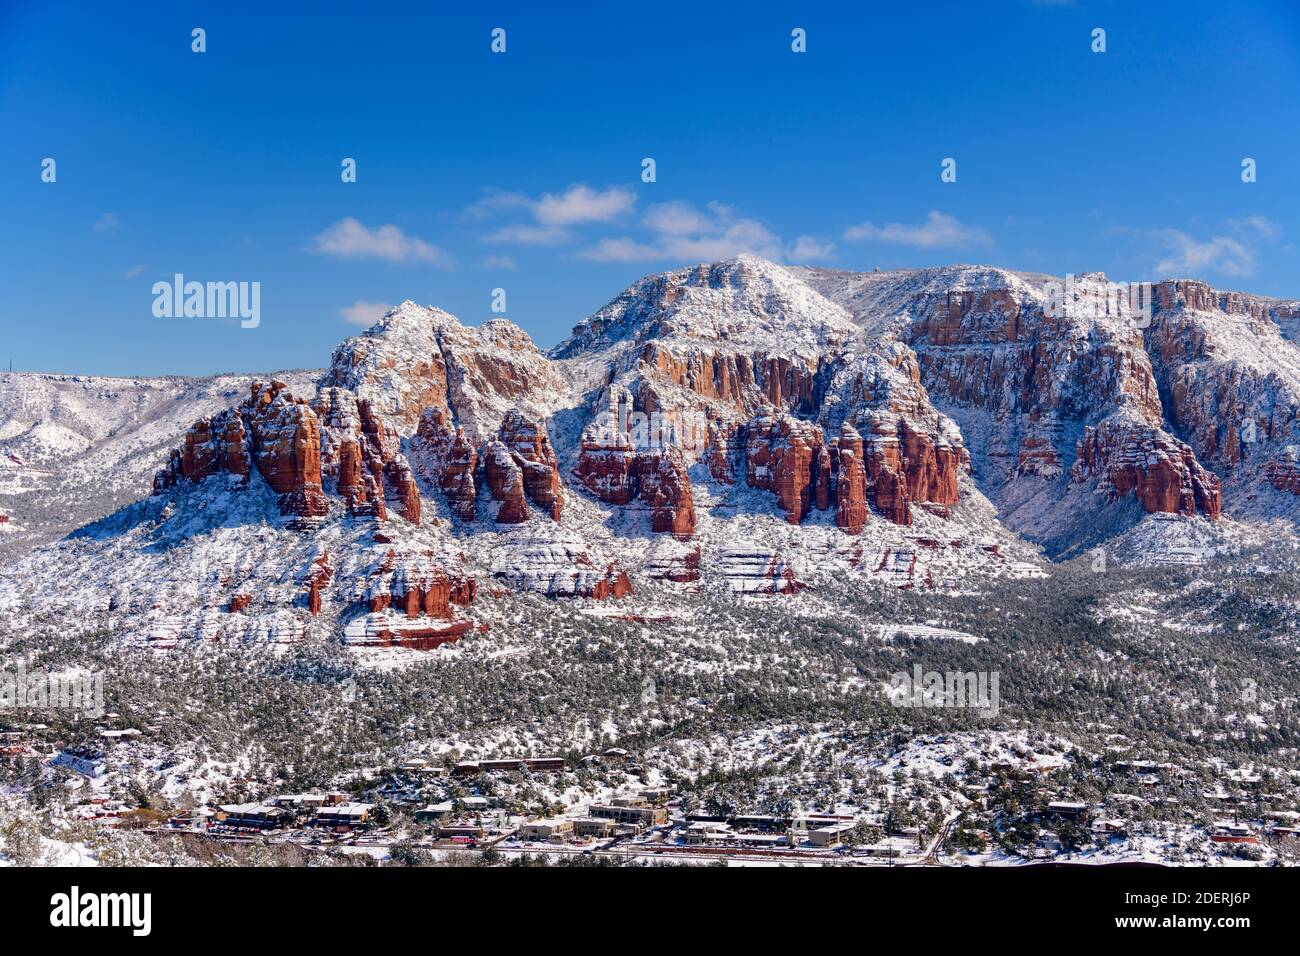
(531, 450)
(822, 478)
(615, 584)
(1201, 297)
(889, 495)
(273, 432)
(779, 455)
(850, 482)
(905, 464)
(721, 452)
(505, 481)
(398, 476)
(1160, 471)
(427, 593)
(421, 638)
(614, 471)
(607, 465)
(1038, 456)
(365, 456)
(349, 468)
(417, 587)
(318, 578)
(284, 439)
(930, 466)
(519, 466)
(665, 487)
(1284, 474)
(416, 359)
(745, 382)
(448, 459)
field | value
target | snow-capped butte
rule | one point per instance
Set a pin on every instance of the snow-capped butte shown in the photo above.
(741, 426)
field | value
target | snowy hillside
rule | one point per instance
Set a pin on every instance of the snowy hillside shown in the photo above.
(76, 447)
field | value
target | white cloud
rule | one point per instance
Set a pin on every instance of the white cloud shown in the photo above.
(939, 229)
(621, 250)
(350, 239)
(552, 214)
(583, 204)
(495, 203)
(1260, 226)
(499, 262)
(1188, 255)
(107, 222)
(675, 219)
(1232, 249)
(133, 272)
(808, 248)
(364, 313)
(684, 233)
(745, 235)
(529, 235)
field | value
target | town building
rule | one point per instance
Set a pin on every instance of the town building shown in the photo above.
(257, 816)
(551, 830)
(343, 815)
(636, 815)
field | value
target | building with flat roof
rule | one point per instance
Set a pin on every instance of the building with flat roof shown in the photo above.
(551, 830)
(597, 827)
(1066, 809)
(343, 815)
(638, 815)
(258, 816)
(829, 836)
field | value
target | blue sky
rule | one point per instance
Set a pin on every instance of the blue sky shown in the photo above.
(522, 170)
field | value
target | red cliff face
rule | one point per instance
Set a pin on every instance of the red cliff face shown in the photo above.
(905, 464)
(272, 432)
(521, 466)
(413, 602)
(365, 457)
(1238, 414)
(930, 466)
(530, 447)
(850, 482)
(607, 465)
(285, 443)
(898, 464)
(505, 481)
(615, 471)
(615, 584)
(1284, 474)
(417, 590)
(665, 487)
(318, 578)
(779, 456)
(744, 382)
(721, 452)
(447, 458)
(1160, 471)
